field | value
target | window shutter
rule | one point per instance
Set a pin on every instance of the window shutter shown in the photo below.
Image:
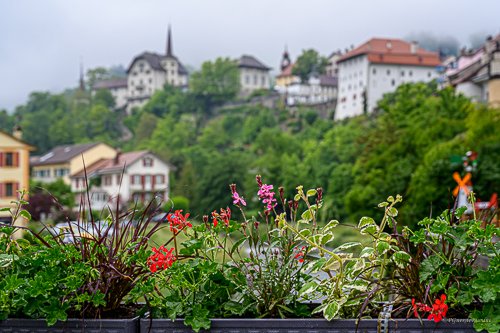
(2, 190)
(163, 179)
(15, 188)
(153, 179)
(15, 157)
(1, 160)
(143, 181)
(132, 179)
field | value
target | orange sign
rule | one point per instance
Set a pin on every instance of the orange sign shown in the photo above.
(462, 183)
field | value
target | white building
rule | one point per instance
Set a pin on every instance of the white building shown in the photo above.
(254, 75)
(129, 177)
(378, 67)
(319, 89)
(147, 73)
(117, 88)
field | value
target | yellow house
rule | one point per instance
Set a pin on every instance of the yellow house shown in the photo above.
(64, 161)
(14, 168)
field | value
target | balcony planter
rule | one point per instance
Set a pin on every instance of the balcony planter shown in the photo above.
(71, 325)
(309, 325)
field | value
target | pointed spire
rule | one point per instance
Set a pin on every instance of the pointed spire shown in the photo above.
(285, 60)
(169, 42)
(82, 82)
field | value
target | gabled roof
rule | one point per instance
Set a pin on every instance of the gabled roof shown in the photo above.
(393, 51)
(30, 147)
(287, 71)
(112, 83)
(112, 164)
(154, 60)
(248, 61)
(61, 154)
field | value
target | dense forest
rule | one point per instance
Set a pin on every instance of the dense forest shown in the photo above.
(406, 147)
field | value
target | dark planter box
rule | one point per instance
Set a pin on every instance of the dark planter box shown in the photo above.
(308, 326)
(71, 325)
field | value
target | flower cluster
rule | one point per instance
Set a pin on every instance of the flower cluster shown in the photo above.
(300, 254)
(266, 194)
(178, 221)
(437, 312)
(223, 216)
(237, 199)
(161, 258)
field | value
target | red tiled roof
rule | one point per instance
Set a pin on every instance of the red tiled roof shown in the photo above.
(110, 165)
(393, 51)
(287, 71)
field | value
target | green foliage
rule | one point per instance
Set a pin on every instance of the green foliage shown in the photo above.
(309, 62)
(216, 82)
(176, 203)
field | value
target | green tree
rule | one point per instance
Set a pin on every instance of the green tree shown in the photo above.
(217, 82)
(308, 62)
(7, 121)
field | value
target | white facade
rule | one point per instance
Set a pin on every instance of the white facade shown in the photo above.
(252, 79)
(313, 92)
(146, 177)
(120, 96)
(358, 78)
(148, 73)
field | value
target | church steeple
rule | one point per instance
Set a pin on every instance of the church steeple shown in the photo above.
(169, 42)
(285, 60)
(82, 81)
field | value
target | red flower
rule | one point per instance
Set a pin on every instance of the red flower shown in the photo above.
(437, 311)
(223, 216)
(161, 258)
(178, 222)
(300, 255)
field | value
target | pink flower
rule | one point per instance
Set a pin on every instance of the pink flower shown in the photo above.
(266, 194)
(237, 200)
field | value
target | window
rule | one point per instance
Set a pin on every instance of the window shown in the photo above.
(402, 73)
(263, 81)
(8, 189)
(255, 79)
(135, 179)
(354, 97)
(107, 180)
(118, 179)
(247, 79)
(393, 82)
(172, 72)
(374, 71)
(9, 159)
(410, 73)
(429, 74)
(147, 162)
(388, 72)
(159, 179)
(150, 80)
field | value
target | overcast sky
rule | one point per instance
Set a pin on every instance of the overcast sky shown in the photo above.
(42, 42)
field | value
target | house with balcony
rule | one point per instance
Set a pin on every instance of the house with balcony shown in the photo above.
(131, 177)
(14, 168)
(476, 73)
(66, 160)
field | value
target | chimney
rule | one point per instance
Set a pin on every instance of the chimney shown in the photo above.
(17, 132)
(117, 156)
(413, 47)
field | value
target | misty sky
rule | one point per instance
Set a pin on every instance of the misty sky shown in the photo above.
(42, 42)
